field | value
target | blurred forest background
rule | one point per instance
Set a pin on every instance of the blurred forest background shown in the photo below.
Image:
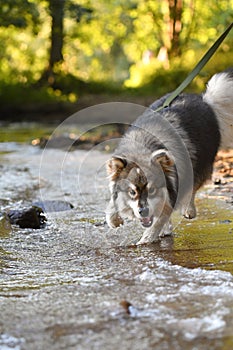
(57, 53)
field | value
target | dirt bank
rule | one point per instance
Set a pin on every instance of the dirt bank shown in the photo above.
(223, 175)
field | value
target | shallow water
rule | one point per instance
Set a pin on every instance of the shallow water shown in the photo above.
(61, 286)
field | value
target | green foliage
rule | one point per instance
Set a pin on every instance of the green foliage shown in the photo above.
(19, 92)
(18, 13)
(108, 44)
(201, 24)
(78, 12)
(24, 51)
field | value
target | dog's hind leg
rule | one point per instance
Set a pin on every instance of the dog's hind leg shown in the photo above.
(189, 212)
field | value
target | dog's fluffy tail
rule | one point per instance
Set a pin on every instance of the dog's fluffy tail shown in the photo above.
(219, 95)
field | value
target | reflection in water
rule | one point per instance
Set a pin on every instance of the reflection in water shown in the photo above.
(62, 286)
(208, 240)
(5, 227)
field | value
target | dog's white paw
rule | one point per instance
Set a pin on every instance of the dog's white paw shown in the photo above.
(167, 230)
(148, 238)
(114, 220)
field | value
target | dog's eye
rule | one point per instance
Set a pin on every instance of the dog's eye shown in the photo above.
(152, 191)
(132, 193)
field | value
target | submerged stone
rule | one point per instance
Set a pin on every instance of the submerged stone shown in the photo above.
(53, 205)
(28, 217)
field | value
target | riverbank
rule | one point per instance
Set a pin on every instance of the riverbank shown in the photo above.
(56, 112)
(223, 176)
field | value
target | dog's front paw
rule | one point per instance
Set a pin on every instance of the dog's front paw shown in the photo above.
(114, 220)
(167, 230)
(147, 238)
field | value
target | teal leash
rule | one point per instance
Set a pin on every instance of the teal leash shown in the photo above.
(196, 69)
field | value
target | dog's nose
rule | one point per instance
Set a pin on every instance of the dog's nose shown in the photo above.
(143, 211)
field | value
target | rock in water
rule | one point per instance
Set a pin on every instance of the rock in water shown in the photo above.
(53, 205)
(28, 218)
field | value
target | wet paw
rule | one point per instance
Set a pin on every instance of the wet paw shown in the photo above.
(167, 230)
(166, 233)
(147, 239)
(114, 220)
(190, 213)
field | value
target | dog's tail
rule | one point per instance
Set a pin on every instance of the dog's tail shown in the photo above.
(219, 95)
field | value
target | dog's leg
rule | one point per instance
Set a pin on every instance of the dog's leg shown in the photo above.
(112, 217)
(190, 211)
(167, 229)
(153, 233)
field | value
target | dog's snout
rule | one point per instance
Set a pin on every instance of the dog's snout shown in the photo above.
(143, 211)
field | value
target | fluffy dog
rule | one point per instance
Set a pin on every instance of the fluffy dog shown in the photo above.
(166, 156)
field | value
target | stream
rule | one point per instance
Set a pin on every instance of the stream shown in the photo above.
(65, 286)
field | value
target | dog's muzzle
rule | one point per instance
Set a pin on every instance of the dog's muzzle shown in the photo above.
(146, 220)
(143, 211)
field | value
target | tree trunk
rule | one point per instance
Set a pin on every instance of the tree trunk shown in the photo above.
(56, 8)
(57, 13)
(175, 26)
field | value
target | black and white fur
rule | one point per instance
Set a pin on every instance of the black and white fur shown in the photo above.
(166, 156)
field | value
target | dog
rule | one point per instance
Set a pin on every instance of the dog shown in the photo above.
(166, 155)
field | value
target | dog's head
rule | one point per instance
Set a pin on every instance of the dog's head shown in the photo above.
(139, 188)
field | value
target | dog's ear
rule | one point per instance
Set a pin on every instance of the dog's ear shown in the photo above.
(115, 166)
(162, 157)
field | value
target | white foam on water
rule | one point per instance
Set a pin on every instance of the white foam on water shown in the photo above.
(196, 326)
(190, 302)
(8, 342)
